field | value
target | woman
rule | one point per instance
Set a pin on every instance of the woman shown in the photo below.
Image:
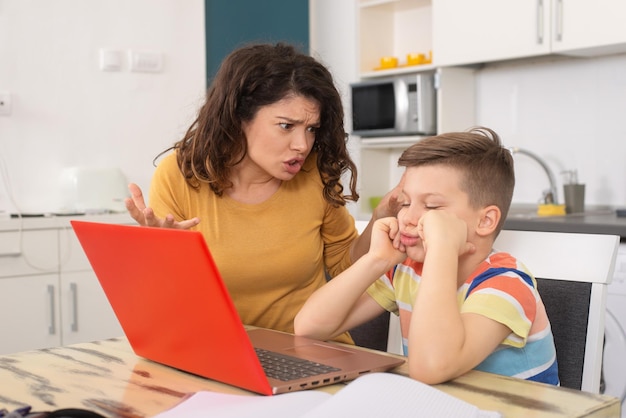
(259, 174)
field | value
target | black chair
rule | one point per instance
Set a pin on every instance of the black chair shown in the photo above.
(373, 334)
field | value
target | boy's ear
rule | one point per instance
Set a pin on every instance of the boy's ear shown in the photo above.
(489, 219)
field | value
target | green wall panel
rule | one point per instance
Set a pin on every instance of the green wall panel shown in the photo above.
(231, 23)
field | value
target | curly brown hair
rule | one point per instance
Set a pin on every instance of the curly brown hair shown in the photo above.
(249, 78)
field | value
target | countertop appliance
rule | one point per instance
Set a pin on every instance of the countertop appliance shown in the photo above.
(391, 106)
(92, 190)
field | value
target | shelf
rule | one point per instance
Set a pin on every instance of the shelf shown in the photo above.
(373, 3)
(398, 28)
(390, 142)
(392, 28)
(407, 69)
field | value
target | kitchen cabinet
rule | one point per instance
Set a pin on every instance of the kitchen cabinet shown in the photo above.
(29, 278)
(86, 314)
(29, 312)
(491, 30)
(587, 28)
(50, 295)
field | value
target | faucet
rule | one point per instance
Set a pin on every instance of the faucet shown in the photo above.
(550, 195)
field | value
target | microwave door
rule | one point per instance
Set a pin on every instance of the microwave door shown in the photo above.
(423, 97)
(401, 100)
(373, 109)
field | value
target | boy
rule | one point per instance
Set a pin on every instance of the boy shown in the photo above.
(461, 304)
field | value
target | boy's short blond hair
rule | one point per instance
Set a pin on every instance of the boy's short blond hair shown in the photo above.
(486, 166)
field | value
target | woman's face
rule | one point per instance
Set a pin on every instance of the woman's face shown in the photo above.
(281, 136)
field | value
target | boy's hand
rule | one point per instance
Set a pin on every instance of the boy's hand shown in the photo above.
(385, 241)
(441, 228)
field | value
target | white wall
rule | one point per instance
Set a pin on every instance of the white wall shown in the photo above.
(570, 111)
(66, 112)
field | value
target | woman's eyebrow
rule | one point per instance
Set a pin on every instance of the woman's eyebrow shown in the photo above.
(296, 121)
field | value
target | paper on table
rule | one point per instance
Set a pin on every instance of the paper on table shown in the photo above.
(211, 404)
(392, 395)
(372, 395)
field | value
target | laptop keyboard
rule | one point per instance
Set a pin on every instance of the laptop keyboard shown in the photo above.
(285, 368)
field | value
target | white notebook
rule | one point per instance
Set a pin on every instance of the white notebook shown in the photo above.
(375, 395)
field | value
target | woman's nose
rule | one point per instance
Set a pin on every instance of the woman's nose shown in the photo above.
(300, 141)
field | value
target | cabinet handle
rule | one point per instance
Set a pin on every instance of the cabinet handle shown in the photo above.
(540, 22)
(559, 20)
(74, 291)
(52, 329)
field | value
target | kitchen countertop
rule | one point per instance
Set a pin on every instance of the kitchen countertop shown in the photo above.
(595, 220)
(55, 222)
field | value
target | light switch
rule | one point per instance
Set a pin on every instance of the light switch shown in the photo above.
(110, 60)
(146, 61)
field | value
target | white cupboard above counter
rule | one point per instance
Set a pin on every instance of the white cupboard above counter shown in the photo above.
(481, 31)
(461, 32)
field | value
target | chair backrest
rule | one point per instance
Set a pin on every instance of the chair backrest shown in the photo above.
(572, 272)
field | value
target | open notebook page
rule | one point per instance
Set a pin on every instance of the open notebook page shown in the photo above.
(392, 395)
(372, 395)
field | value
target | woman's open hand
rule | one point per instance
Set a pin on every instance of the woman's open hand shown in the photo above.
(145, 216)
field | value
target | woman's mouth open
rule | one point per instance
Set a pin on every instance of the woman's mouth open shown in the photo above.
(293, 166)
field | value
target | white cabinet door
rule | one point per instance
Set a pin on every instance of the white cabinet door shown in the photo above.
(29, 296)
(86, 314)
(29, 312)
(85, 311)
(466, 32)
(583, 27)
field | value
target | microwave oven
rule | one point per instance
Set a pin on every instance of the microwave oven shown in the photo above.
(398, 105)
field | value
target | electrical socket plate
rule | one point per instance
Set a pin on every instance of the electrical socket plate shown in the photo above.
(5, 103)
(146, 61)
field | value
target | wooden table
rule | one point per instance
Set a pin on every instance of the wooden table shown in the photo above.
(107, 377)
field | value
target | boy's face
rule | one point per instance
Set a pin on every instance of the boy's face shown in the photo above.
(426, 188)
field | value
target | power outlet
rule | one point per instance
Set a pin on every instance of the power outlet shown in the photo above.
(5, 103)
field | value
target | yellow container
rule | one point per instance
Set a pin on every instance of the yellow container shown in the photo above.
(551, 210)
(415, 59)
(418, 58)
(388, 62)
